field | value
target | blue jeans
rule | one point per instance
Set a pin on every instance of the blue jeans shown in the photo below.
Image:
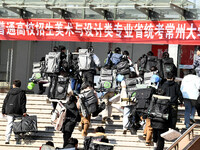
(73, 85)
(189, 111)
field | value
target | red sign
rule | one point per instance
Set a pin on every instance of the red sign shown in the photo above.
(187, 54)
(153, 32)
(159, 49)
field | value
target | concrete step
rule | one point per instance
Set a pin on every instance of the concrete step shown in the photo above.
(114, 126)
(97, 120)
(17, 147)
(112, 137)
(27, 147)
(116, 117)
(28, 95)
(36, 106)
(30, 98)
(59, 143)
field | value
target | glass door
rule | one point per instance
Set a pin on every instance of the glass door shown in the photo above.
(6, 61)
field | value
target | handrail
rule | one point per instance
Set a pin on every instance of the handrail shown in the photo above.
(183, 135)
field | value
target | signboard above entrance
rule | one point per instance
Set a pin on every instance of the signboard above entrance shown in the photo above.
(154, 32)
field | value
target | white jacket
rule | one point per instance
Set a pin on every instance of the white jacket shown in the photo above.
(190, 86)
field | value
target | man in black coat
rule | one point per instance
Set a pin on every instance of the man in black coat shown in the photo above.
(14, 105)
(172, 89)
(72, 117)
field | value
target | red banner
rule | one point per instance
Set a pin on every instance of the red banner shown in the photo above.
(153, 32)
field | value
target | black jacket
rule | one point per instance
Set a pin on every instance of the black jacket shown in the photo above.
(72, 117)
(15, 102)
(172, 89)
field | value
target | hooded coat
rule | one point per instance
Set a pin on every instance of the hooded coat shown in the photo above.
(15, 102)
(172, 89)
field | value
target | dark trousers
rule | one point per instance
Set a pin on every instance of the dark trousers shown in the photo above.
(66, 136)
(158, 139)
(54, 104)
(173, 114)
(41, 87)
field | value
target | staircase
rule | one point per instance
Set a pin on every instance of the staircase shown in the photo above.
(37, 105)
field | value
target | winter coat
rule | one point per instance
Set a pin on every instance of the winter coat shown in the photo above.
(15, 102)
(72, 117)
(172, 89)
(190, 87)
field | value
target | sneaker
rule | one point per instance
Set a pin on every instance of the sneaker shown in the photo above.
(148, 144)
(192, 121)
(109, 121)
(40, 92)
(144, 136)
(124, 132)
(18, 141)
(133, 131)
(7, 143)
(80, 127)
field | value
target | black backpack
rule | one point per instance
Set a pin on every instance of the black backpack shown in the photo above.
(89, 102)
(168, 66)
(158, 111)
(123, 67)
(143, 98)
(131, 84)
(90, 145)
(151, 61)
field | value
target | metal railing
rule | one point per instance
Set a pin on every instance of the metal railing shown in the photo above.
(189, 131)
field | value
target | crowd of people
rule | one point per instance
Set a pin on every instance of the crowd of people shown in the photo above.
(138, 87)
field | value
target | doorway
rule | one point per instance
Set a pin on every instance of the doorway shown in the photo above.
(6, 64)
